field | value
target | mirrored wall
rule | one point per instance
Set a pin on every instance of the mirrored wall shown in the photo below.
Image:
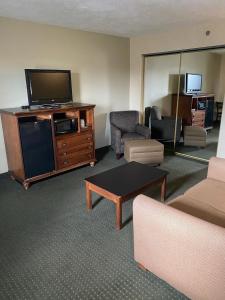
(161, 84)
(183, 98)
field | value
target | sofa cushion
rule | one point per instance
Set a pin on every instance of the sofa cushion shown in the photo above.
(199, 209)
(209, 191)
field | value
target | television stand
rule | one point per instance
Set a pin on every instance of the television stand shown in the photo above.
(33, 149)
(194, 110)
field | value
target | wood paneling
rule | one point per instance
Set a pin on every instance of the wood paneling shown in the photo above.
(13, 146)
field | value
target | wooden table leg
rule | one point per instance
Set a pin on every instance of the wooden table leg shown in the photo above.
(88, 196)
(163, 189)
(118, 214)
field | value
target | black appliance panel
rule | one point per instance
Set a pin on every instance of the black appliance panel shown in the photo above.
(37, 147)
(209, 113)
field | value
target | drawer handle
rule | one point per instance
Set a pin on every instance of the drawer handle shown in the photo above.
(65, 162)
(64, 144)
(64, 153)
(88, 138)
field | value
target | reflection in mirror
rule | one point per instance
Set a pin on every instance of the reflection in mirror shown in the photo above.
(201, 98)
(160, 83)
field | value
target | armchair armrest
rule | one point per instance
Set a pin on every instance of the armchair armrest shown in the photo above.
(183, 250)
(116, 134)
(143, 130)
(216, 169)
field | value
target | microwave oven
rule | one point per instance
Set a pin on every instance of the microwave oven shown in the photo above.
(66, 125)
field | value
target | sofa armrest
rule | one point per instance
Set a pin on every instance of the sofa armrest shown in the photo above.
(216, 169)
(183, 250)
(143, 130)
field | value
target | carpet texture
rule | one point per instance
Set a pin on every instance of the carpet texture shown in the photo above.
(52, 248)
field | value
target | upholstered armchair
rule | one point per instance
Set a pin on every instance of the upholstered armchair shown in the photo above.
(162, 128)
(125, 126)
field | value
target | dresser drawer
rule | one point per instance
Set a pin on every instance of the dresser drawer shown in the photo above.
(199, 118)
(78, 148)
(68, 142)
(72, 154)
(199, 123)
(70, 160)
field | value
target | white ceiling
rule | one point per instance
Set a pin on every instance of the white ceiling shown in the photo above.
(118, 17)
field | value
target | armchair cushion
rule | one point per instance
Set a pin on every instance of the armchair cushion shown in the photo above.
(155, 113)
(132, 136)
(143, 130)
(125, 120)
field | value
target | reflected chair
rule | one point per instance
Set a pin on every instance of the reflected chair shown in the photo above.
(162, 127)
(125, 126)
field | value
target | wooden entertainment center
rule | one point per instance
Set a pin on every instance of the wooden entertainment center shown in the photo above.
(194, 110)
(34, 150)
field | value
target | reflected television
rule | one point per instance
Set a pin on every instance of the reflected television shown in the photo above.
(193, 83)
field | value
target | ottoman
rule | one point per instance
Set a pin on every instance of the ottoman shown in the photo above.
(195, 136)
(144, 151)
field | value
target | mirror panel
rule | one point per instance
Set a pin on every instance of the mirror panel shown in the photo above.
(202, 76)
(160, 84)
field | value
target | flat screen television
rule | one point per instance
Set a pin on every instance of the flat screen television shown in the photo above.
(48, 86)
(193, 83)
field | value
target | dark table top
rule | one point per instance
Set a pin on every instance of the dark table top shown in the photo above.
(127, 178)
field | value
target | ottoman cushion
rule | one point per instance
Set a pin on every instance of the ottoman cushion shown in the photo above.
(144, 151)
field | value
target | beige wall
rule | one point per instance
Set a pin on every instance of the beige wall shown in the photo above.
(161, 76)
(176, 38)
(99, 65)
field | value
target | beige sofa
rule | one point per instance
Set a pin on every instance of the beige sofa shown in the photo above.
(183, 242)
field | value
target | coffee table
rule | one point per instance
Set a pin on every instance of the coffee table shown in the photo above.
(123, 183)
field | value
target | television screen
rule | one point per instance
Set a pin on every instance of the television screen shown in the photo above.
(48, 86)
(193, 83)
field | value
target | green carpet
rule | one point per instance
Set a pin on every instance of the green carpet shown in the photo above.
(52, 248)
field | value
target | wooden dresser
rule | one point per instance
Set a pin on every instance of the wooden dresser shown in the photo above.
(53, 154)
(194, 110)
